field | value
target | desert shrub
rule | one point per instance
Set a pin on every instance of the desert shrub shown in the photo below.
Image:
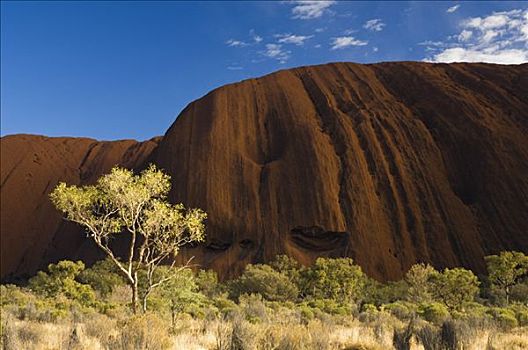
(505, 318)
(243, 335)
(510, 341)
(29, 333)
(433, 312)
(264, 280)
(207, 283)
(401, 338)
(103, 277)
(369, 313)
(225, 305)
(336, 279)
(455, 287)
(101, 328)
(505, 271)
(253, 308)
(9, 337)
(521, 313)
(455, 335)
(401, 309)
(475, 315)
(384, 293)
(289, 267)
(519, 292)
(146, 331)
(307, 313)
(222, 332)
(60, 279)
(430, 337)
(419, 279)
(330, 306)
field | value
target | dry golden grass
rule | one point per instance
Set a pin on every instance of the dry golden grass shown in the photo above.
(99, 332)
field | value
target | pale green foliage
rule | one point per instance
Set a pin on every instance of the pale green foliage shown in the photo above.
(419, 280)
(336, 279)
(506, 270)
(455, 287)
(121, 202)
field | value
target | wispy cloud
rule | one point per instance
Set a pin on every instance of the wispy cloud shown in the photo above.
(375, 25)
(453, 8)
(236, 43)
(292, 39)
(276, 52)
(256, 38)
(501, 37)
(310, 9)
(346, 41)
(235, 67)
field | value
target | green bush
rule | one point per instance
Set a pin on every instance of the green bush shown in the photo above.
(433, 312)
(401, 309)
(60, 279)
(505, 318)
(337, 279)
(145, 331)
(307, 313)
(264, 280)
(103, 277)
(455, 287)
(207, 283)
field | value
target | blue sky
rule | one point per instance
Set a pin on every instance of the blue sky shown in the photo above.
(115, 70)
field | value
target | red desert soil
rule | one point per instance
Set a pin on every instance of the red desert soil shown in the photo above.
(390, 163)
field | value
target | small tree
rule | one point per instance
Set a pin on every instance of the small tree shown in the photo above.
(455, 287)
(124, 202)
(337, 279)
(506, 270)
(419, 280)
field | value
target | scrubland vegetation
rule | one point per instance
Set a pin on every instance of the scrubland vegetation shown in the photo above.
(329, 305)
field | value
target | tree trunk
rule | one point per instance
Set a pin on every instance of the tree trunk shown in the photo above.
(145, 302)
(134, 296)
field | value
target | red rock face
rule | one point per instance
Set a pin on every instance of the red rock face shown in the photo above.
(32, 231)
(390, 164)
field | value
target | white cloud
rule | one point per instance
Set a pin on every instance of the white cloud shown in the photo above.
(236, 43)
(350, 31)
(256, 38)
(375, 49)
(235, 67)
(276, 51)
(320, 30)
(493, 21)
(501, 37)
(310, 9)
(346, 41)
(293, 39)
(374, 24)
(465, 35)
(453, 8)
(458, 54)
